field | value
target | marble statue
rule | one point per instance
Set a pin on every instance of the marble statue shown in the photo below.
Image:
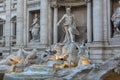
(68, 55)
(116, 20)
(72, 52)
(20, 60)
(83, 50)
(30, 55)
(69, 26)
(12, 60)
(58, 48)
(83, 54)
(35, 29)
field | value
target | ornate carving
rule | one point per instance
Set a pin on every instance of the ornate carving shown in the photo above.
(88, 1)
(55, 3)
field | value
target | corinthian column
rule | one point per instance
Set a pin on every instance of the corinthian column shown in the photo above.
(44, 22)
(89, 21)
(55, 24)
(97, 20)
(20, 22)
(8, 23)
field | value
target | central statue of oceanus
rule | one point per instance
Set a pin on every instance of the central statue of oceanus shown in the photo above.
(69, 26)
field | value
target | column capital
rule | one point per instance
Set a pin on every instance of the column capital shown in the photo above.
(88, 1)
(54, 3)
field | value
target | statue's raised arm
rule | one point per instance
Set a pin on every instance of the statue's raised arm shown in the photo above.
(61, 20)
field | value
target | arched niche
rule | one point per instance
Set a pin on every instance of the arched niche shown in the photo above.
(114, 38)
(79, 9)
(31, 17)
(114, 5)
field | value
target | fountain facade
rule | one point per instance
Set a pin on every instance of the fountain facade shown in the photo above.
(67, 39)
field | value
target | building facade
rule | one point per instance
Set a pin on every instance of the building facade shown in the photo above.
(33, 24)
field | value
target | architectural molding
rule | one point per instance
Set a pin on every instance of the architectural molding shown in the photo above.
(55, 3)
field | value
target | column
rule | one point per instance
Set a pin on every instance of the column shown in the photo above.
(105, 19)
(55, 25)
(44, 22)
(25, 23)
(97, 21)
(3, 33)
(50, 16)
(20, 22)
(109, 18)
(12, 25)
(89, 21)
(8, 23)
(4, 29)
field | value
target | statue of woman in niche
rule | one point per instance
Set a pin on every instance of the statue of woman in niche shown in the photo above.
(69, 26)
(116, 20)
(35, 29)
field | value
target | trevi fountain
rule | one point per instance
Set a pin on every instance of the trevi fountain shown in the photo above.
(60, 39)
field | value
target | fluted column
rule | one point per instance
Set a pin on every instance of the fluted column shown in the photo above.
(44, 22)
(20, 22)
(89, 21)
(8, 23)
(97, 20)
(55, 25)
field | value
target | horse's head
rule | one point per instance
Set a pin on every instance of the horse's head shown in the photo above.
(57, 47)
